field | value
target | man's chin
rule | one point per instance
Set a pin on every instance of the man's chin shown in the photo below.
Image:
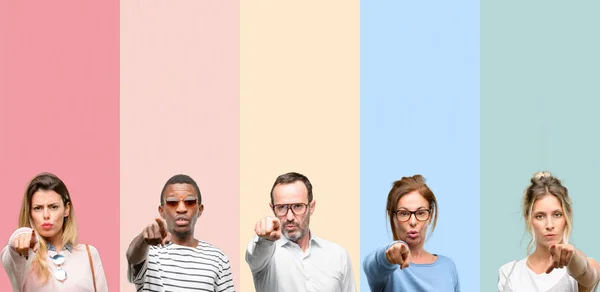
(181, 233)
(293, 236)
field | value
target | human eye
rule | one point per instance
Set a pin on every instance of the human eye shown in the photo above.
(172, 202)
(558, 214)
(539, 216)
(190, 202)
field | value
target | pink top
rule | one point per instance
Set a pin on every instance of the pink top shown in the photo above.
(77, 266)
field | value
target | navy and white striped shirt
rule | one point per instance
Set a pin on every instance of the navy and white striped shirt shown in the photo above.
(181, 268)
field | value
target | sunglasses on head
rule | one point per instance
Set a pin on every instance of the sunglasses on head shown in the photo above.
(188, 202)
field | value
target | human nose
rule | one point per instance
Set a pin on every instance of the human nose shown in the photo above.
(181, 207)
(549, 224)
(412, 220)
(46, 213)
(289, 214)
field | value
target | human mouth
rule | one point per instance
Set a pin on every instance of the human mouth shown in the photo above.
(550, 236)
(182, 221)
(413, 234)
(47, 225)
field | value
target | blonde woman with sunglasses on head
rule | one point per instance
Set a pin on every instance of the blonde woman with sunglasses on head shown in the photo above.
(555, 265)
(43, 254)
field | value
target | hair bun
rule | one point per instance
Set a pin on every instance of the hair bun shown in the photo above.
(542, 174)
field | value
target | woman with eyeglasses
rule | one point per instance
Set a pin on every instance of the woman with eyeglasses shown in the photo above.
(555, 265)
(43, 254)
(404, 265)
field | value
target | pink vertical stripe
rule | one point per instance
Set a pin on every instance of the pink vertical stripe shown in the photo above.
(59, 112)
(180, 76)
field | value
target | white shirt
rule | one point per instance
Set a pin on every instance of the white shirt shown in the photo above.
(181, 268)
(283, 266)
(515, 276)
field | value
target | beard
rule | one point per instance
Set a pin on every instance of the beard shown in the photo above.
(294, 235)
(298, 234)
(181, 235)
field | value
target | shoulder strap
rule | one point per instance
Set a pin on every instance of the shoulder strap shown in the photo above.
(91, 265)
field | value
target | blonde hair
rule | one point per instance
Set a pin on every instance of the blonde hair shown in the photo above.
(407, 185)
(47, 182)
(543, 184)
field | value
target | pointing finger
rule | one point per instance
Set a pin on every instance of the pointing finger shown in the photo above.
(162, 225)
(276, 223)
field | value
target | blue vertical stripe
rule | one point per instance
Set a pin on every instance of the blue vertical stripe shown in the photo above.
(420, 114)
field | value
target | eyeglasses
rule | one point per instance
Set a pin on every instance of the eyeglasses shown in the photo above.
(297, 209)
(404, 215)
(189, 202)
(59, 260)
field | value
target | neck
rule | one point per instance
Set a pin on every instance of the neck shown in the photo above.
(541, 255)
(56, 241)
(417, 252)
(189, 240)
(303, 241)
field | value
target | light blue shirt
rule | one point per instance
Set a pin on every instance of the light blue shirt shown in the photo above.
(439, 276)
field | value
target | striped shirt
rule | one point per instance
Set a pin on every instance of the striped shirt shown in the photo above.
(181, 268)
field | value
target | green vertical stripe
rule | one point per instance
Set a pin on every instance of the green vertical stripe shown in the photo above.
(540, 97)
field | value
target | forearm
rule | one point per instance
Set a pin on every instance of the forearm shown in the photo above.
(138, 250)
(15, 264)
(377, 268)
(259, 252)
(582, 270)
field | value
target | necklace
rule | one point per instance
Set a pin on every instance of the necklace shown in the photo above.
(58, 259)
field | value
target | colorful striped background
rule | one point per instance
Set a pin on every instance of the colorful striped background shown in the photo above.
(116, 97)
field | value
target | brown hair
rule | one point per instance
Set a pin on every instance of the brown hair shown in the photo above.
(407, 185)
(543, 184)
(292, 177)
(47, 182)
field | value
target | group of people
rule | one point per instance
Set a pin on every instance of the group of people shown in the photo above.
(43, 254)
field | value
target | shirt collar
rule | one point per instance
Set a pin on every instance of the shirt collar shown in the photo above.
(67, 247)
(283, 241)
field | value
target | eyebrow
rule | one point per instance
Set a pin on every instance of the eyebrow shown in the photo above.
(188, 197)
(189, 194)
(553, 211)
(49, 204)
(424, 208)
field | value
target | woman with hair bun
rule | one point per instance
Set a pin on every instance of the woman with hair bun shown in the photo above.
(555, 265)
(405, 265)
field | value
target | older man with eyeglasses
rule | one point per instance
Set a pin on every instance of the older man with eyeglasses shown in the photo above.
(298, 260)
(165, 256)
